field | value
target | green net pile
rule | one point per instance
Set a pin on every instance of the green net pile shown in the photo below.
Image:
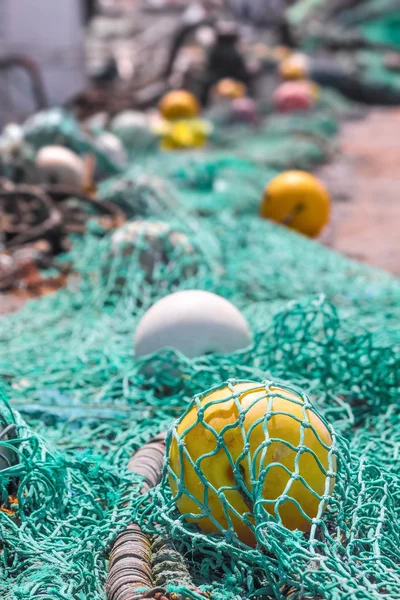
(80, 403)
(359, 36)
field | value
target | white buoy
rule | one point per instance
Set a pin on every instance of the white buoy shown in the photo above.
(60, 166)
(111, 145)
(131, 127)
(193, 322)
(12, 136)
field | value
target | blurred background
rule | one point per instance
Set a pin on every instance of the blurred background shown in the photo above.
(54, 53)
(248, 148)
(93, 60)
(51, 51)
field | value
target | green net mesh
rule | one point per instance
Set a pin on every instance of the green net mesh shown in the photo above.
(81, 403)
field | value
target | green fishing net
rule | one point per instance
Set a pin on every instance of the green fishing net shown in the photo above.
(77, 403)
(58, 127)
(305, 15)
(384, 30)
(358, 37)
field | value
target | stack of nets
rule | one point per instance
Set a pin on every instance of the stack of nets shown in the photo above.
(80, 403)
(375, 21)
(361, 36)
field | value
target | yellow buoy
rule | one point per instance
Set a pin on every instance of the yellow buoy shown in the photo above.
(294, 67)
(179, 104)
(298, 200)
(229, 89)
(186, 134)
(233, 457)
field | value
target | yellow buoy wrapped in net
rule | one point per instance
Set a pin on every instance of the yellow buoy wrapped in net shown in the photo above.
(250, 445)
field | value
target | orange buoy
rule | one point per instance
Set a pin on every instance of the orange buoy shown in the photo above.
(179, 104)
(298, 200)
(229, 89)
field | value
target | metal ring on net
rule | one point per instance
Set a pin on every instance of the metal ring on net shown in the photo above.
(31, 213)
(141, 568)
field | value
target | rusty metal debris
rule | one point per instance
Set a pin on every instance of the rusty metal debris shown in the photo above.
(34, 224)
(141, 567)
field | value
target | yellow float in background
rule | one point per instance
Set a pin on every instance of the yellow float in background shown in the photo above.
(295, 66)
(186, 134)
(229, 89)
(298, 200)
(179, 104)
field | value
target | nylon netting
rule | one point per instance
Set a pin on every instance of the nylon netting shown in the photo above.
(81, 403)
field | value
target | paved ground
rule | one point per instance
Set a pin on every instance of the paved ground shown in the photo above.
(366, 226)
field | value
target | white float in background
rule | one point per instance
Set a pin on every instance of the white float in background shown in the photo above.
(111, 145)
(60, 166)
(193, 322)
(131, 127)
